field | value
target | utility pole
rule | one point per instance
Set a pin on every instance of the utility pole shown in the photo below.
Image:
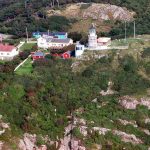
(27, 34)
(134, 30)
(25, 4)
(48, 32)
(125, 31)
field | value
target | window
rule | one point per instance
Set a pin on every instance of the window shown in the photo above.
(1, 53)
(7, 53)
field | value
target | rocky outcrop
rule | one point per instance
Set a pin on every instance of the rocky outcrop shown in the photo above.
(69, 142)
(1, 145)
(29, 143)
(125, 122)
(3, 126)
(109, 90)
(146, 131)
(131, 102)
(127, 137)
(83, 130)
(147, 120)
(107, 12)
(80, 121)
(124, 136)
(102, 131)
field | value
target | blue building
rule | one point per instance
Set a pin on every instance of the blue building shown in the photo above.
(59, 35)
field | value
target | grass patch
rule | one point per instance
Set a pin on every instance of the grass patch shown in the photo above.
(26, 46)
(25, 68)
(123, 42)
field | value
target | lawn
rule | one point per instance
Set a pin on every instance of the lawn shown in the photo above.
(27, 46)
(122, 42)
(25, 68)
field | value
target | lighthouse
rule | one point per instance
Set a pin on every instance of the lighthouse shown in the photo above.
(92, 37)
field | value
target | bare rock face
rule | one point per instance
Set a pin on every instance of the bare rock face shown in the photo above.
(145, 102)
(146, 131)
(95, 11)
(3, 126)
(69, 142)
(131, 102)
(28, 142)
(128, 102)
(102, 131)
(80, 121)
(124, 136)
(147, 120)
(83, 130)
(125, 122)
(127, 137)
(107, 12)
(109, 90)
(1, 145)
(76, 145)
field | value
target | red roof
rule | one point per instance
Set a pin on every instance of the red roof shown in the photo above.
(6, 48)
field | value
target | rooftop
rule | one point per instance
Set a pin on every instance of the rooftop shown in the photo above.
(60, 40)
(38, 53)
(6, 48)
(103, 39)
(50, 33)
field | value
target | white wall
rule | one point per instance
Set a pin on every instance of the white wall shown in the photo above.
(79, 50)
(42, 43)
(8, 55)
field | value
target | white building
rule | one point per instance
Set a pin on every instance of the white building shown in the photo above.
(79, 49)
(7, 52)
(92, 37)
(104, 42)
(48, 42)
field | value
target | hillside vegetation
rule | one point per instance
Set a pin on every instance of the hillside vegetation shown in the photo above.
(39, 102)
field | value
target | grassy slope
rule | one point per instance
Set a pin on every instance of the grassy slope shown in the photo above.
(26, 68)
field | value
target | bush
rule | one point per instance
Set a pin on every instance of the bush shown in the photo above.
(146, 52)
(147, 68)
(128, 64)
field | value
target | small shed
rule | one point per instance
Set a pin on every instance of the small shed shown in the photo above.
(104, 41)
(37, 55)
(79, 49)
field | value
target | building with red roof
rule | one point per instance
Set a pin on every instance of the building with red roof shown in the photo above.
(7, 52)
(37, 55)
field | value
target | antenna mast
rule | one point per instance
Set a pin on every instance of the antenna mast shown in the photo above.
(27, 34)
(125, 31)
(134, 30)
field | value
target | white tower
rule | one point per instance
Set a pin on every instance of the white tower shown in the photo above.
(92, 37)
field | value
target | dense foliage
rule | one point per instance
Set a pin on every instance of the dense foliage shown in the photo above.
(39, 102)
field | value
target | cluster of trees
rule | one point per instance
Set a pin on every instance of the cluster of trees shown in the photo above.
(142, 18)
